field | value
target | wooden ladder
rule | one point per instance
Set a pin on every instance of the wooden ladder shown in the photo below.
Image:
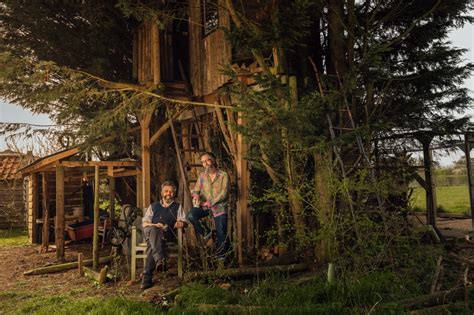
(188, 142)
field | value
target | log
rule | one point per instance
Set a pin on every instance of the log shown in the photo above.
(244, 272)
(63, 267)
(438, 298)
(236, 309)
(452, 308)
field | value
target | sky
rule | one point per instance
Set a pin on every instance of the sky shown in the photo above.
(462, 38)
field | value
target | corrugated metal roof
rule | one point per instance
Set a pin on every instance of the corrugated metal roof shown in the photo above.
(10, 163)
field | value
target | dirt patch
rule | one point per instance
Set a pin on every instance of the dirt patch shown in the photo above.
(15, 260)
(450, 227)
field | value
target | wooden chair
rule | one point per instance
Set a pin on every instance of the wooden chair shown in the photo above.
(138, 250)
(102, 230)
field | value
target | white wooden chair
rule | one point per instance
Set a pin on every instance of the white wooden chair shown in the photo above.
(138, 250)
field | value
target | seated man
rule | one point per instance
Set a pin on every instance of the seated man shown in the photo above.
(158, 222)
(210, 197)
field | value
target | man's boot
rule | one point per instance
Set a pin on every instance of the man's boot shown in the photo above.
(147, 282)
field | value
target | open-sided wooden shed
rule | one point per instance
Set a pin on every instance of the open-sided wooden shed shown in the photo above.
(56, 191)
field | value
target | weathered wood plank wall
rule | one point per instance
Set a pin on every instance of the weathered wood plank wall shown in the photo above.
(209, 54)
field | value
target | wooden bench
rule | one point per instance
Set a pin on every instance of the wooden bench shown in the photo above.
(138, 251)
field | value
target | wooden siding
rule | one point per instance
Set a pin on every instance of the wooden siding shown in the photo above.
(34, 197)
(208, 55)
(146, 49)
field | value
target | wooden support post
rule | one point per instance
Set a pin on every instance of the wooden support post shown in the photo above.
(59, 222)
(80, 265)
(431, 205)
(155, 52)
(467, 152)
(244, 218)
(45, 206)
(32, 208)
(110, 173)
(139, 191)
(145, 146)
(95, 238)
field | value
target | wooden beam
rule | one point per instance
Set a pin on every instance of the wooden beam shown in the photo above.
(140, 193)
(145, 146)
(127, 173)
(155, 52)
(431, 205)
(59, 222)
(467, 152)
(420, 180)
(32, 198)
(45, 206)
(110, 173)
(98, 163)
(164, 127)
(95, 237)
(244, 218)
(48, 160)
(63, 267)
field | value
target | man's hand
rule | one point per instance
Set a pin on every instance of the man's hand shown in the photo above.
(179, 225)
(195, 201)
(161, 226)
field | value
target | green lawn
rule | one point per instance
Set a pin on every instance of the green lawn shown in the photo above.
(13, 237)
(451, 199)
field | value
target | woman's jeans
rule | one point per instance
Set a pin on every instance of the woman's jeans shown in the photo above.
(195, 216)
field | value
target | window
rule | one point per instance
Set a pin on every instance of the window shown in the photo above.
(210, 16)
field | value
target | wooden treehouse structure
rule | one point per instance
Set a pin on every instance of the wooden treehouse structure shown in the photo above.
(184, 61)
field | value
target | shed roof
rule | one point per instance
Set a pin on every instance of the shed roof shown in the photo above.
(11, 162)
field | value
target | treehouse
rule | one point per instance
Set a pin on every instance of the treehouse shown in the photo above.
(184, 60)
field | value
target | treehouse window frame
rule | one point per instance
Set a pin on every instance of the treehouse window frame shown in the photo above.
(210, 17)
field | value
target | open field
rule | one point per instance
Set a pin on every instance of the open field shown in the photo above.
(451, 199)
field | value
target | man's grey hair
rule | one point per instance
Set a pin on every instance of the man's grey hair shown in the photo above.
(170, 184)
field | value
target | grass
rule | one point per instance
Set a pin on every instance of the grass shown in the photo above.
(451, 199)
(375, 293)
(41, 303)
(13, 237)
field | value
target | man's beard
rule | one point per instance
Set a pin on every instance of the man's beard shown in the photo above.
(168, 199)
